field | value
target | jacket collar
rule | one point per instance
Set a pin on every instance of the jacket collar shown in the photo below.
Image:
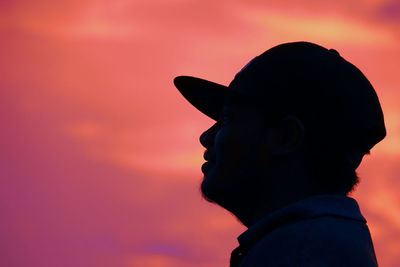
(308, 208)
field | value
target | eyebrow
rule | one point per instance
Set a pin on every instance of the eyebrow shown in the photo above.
(225, 112)
(228, 111)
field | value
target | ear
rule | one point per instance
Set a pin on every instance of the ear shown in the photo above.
(291, 136)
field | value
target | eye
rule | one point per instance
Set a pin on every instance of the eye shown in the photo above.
(224, 118)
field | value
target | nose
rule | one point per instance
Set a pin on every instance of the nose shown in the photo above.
(207, 137)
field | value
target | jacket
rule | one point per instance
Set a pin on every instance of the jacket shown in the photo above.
(322, 230)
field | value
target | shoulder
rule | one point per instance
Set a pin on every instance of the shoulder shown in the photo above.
(322, 241)
(338, 242)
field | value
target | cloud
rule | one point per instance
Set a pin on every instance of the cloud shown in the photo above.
(141, 149)
(162, 260)
(317, 28)
(390, 11)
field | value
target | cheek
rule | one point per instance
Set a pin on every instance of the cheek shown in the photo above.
(239, 149)
(230, 147)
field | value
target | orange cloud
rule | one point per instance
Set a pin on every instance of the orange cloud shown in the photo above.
(332, 28)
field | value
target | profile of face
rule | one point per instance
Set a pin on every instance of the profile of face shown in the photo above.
(237, 154)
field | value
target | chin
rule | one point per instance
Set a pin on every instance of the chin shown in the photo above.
(206, 193)
(209, 185)
(214, 187)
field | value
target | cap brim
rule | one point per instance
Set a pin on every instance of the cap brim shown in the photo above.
(206, 96)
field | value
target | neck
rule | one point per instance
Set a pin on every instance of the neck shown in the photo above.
(258, 207)
(259, 200)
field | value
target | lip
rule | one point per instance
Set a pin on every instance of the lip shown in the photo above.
(206, 166)
(208, 156)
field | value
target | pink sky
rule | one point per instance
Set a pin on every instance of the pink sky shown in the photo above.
(101, 161)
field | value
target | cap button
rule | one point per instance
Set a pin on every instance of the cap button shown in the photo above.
(333, 51)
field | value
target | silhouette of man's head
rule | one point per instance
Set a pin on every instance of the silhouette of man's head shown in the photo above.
(295, 121)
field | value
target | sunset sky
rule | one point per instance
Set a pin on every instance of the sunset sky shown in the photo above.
(100, 162)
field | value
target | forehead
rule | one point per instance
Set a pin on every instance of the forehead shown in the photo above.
(239, 101)
(241, 105)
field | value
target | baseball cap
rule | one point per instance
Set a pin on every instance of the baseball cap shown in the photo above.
(331, 96)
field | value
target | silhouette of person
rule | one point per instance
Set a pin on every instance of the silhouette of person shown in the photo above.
(291, 129)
